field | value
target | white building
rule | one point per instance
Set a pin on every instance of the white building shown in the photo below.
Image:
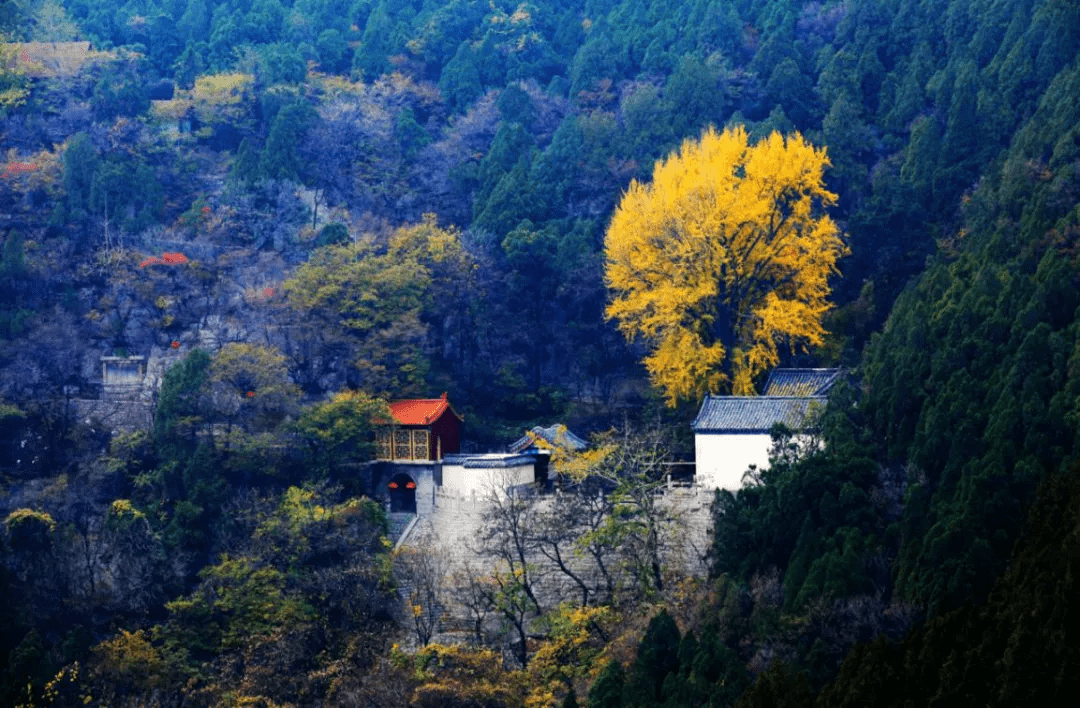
(731, 433)
(478, 476)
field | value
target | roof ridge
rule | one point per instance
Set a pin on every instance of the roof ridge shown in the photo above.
(764, 396)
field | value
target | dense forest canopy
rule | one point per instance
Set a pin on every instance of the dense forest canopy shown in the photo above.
(298, 209)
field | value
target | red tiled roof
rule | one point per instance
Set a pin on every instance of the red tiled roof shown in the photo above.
(419, 411)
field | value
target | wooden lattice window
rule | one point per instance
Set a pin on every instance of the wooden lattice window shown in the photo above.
(420, 444)
(382, 440)
(402, 445)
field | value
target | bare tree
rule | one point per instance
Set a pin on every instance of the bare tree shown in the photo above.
(634, 463)
(471, 592)
(506, 538)
(421, 575)
(571, 533)
(556, 534)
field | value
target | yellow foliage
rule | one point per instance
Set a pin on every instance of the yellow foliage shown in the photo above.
(64, 684)
(725, 256)
(299, 509)
(222, 96)
(223, 88)
(53, 59)
(333, 85)
(130, 658)
(568, 462)
(454, 675)
(14, 87)
(123, 511)
(172, 109)
(570, 652)
(29, 518)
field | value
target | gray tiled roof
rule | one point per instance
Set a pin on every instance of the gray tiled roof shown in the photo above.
(554, 434)
(498, 461)
(755, 414)
(800, 382)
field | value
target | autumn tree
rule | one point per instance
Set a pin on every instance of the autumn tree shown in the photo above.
(421, 574)
(633, 464)
(341, 429)
(507, 541)
(381, 297)
(14, 85)
(249, 383)
(722, 259)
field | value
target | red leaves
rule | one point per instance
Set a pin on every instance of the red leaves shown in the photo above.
(14, 169)
(166, 259)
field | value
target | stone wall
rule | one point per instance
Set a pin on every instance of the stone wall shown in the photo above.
(116, 414)
(453, 530)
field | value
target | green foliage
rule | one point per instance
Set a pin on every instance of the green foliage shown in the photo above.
(657, 657)
(280, 63)
(304, 562)
(120, 93)
(280, 157)
(237, 600)
(379, 297)
(334, 52)
(410, 134)
(13, 257)
(502, 198)
(249, 384)
(460, 82)
(341, 429)
(14, 84)
(991, 417)
(187, 470)
(181, 404)
(1017, 648)
(332, 234)
(80, 165)
(712, 669)
(118, 190)
(824, 529)
(607, 690)
(377, 43)
(125, 192)
(781, 686)
(692, 99)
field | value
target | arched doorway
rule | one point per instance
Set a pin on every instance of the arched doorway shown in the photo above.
(402, 494)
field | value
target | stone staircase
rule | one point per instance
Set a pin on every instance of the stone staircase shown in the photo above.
(399, 523)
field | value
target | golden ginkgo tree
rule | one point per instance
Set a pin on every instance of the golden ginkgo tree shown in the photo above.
(724, 258)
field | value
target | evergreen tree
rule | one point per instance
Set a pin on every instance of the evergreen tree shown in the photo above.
(657, 657)
(281, 157)
(607, 690)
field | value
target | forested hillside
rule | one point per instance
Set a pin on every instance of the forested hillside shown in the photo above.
(299, 209)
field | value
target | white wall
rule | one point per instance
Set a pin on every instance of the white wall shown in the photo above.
(722, 459)
(479, 481)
